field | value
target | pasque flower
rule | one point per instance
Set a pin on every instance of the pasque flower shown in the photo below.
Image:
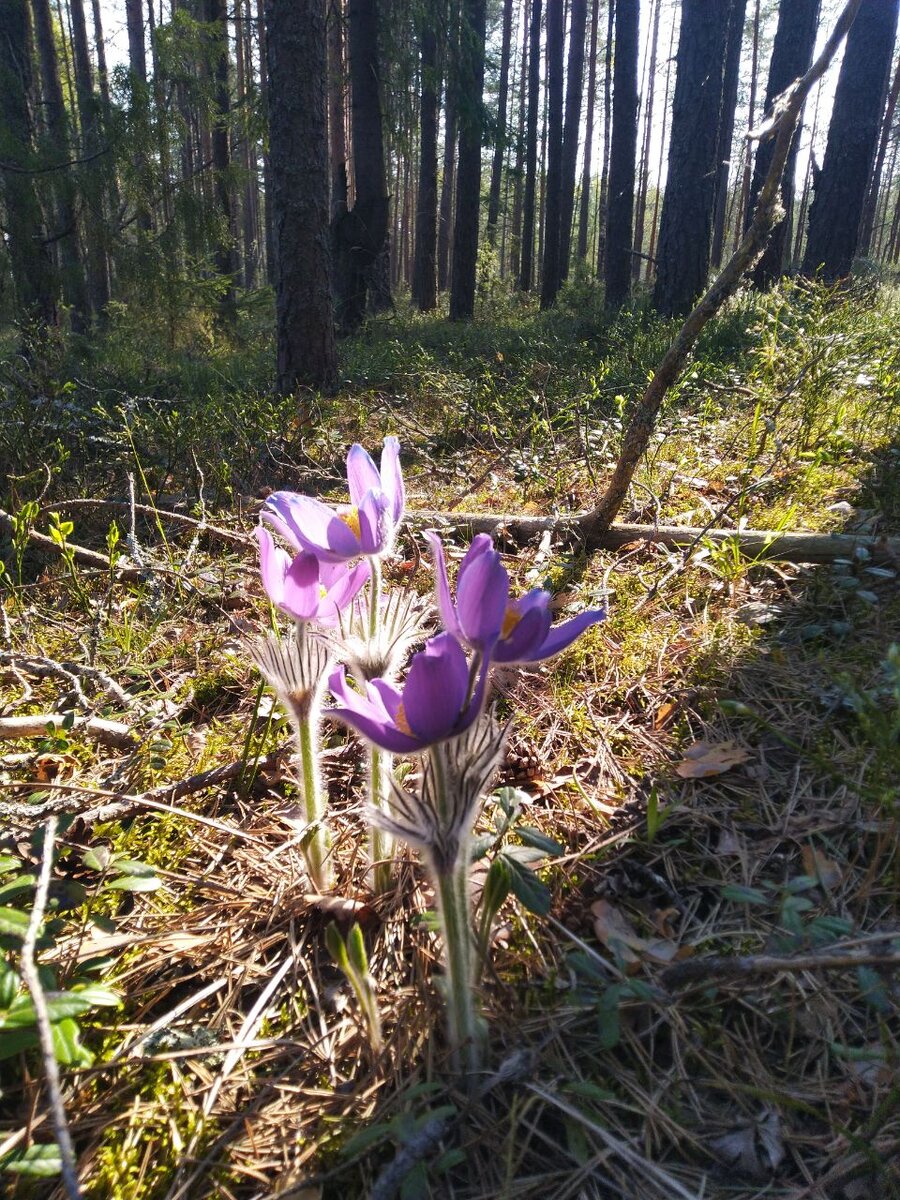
(366, 526)
(437, 701)
(305, 588)
(484, 617)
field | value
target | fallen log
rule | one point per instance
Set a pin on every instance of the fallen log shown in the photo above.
(108, 733)
(798, 547)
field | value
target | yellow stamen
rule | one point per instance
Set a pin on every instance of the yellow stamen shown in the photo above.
(351, 519)
(323, 591)
(401, 722)
(511, 618)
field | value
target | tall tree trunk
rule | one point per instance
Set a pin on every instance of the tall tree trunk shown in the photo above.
(620, 233)
(500, 127)
(868, 218)
(550, 277)
(26, 240)
(215, 17)
(881, 210)
(515, 257)
(726, 124)
(424, 281)
(268, 222)
(812, 169)
(654, 220)
(585, 205)
(531, 141)
(747, 173)
(95, 176)
(244, 97)
(603, 193)
(448, 179)
(574, 92)
(360, 235)
(337, 137)
(795, 40)
(298, 149)
(71, 269)
(687, 214)
(102, 70)
(834, 218)
(468, 171)
(644, 173)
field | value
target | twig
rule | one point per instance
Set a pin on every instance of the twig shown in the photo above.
(101, 729)
(225, 535)
(39, 666)
(45, 1032)
(749, 966)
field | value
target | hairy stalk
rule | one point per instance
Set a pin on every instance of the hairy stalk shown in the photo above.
(452, 885)
(381, 845)
(318, 846)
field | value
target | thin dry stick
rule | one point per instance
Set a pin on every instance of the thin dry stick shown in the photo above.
(768, 213)
(101, 729)
(750, 966)
(45, 1033)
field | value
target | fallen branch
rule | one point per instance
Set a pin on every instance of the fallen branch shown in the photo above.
(108, 733)
(718, 967)
(81, 554)
(42, 1017)
(216, 531)
(754, 543)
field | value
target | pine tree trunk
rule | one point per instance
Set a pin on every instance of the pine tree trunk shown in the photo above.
(515, 256)
(603, 193)
(550, 271)
(574, 92)
(654, 220)
(687, 214)
(531, 141)
(792, 53)
(834, 218)
(726, 124)
(298, 150)
(585, 199)
(226, 266)
(26, 237)
(360, 235)
(868, 218)
(500, 129)
(424, 281)
(337, 137)
(268, 223)
(620, 233)
(468, 171)
(448, 179)
(66, 234)
(644, 173)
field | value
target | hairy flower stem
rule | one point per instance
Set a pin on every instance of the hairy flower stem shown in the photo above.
(454, 909)
(381, 845)
(318, 845)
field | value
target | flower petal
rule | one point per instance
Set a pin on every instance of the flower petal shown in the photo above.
(436, 687)
(564, 635)
(301, 588)
(442, 586)
(320, 530)
(341, 590)
(277, 515)
(362, 474)
(526, 638)
(374, 523)
(368, 717)
(273, 565)
(482, 594)
(392, 479)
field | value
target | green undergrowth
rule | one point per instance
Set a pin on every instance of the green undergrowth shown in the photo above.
(786, 419)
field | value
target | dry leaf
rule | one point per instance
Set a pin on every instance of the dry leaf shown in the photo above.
(825, 870)
(703, 759)
(615, 931)
(729, 843)
(755, 1148)
(51, 768)
(664, 713)
(342, 908)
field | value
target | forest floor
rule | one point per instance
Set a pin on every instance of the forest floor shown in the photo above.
(717, 764)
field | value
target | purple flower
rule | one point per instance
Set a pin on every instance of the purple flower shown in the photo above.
(305, 588)
(517, 631)
(434, 704)
(365, 527)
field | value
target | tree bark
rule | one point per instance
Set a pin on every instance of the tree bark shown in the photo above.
(30, 262)
(298, 148)
(337, 137)
(834, 217)
(550, 271)
(215, 17)
(531, 141)
(868, 218)
(424, 281)
(268, 223)
(792, 53)
(619, 235)
(687, 212)
(644, 172)
(468, 171)
(603, 194)
(574, 92)
(726, 124)
(360, 234)
(585, 205)
(66, 234)
(500, 126)
(515, 257)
